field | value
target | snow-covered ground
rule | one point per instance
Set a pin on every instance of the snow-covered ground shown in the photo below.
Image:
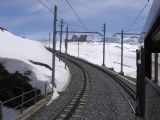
(15, 53)
(93, 52)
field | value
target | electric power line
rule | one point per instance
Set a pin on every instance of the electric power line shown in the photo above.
(49, 9)
(46, 6)
(140, 13)
(59, 18)
(77, 15)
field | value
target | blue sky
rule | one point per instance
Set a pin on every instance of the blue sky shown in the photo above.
(31, 19)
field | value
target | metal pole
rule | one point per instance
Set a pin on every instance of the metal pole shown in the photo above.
(78, 48)
(45, 89)
(22, 102)
(122, 73)
(67, 40)
(142, 85)
(1, 111)
(66, 44)
(140, 92)
(61, 25)
(54, 47)
(138, 82)
(104, 37)
(49, 39)
(156, 68)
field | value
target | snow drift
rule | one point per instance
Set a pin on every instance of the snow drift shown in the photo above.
(16, 53)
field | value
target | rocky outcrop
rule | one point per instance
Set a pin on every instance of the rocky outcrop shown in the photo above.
(12, 85)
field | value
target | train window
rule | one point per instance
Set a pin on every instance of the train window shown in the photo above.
(156, 68)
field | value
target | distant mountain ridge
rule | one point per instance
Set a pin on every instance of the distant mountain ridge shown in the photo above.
(130, 39)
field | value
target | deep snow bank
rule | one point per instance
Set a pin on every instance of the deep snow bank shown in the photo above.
(93, 52)
(15, 53)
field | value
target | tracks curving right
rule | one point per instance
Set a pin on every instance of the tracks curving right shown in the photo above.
(128, 92)
(93, 93)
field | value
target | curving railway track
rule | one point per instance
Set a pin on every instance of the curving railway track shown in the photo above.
(93, 93)
(73, 108)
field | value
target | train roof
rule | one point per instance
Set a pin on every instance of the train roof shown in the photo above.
(151, 30)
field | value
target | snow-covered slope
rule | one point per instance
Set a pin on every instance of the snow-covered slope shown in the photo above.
(128, 39)
(93, 53)
(15, 53)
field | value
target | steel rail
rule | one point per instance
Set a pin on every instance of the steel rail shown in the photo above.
(82, 92)
(119, 83)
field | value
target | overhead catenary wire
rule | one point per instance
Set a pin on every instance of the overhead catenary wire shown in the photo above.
(140, 13)
(67, 24)
(46, 6)
(59, 18)
(77, 15)
(137, 27)
(72, 26)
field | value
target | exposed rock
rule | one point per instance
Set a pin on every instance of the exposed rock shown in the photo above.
(12, 85)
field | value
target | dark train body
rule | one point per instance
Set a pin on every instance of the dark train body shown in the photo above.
(148, 67)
